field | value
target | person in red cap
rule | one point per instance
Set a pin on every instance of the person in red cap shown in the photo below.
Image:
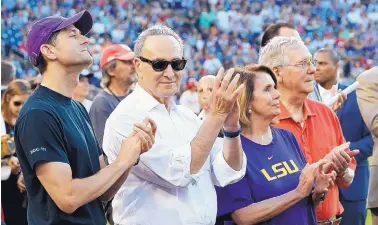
(64, 171)
(190, 98)
(118, 75)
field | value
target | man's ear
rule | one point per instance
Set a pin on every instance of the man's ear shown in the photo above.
(110, 70)
(138, 65)
(276, 71)
(48, 51)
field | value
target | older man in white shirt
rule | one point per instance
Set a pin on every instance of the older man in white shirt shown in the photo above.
(173, 183)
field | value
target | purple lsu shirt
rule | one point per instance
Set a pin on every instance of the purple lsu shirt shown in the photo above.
(272, 170)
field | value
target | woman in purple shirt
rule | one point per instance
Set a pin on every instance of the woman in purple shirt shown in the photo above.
(278, 188)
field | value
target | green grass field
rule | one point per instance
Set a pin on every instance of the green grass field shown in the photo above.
(368, 218)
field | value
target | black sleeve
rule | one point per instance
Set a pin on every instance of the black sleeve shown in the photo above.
(39, 135)
(99, 113)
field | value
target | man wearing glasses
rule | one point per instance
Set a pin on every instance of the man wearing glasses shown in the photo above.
(315, 126)
(174, 183)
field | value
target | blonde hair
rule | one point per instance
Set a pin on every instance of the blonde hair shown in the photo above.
(16, 87)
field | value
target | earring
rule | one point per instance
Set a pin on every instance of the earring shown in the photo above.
(249, 110)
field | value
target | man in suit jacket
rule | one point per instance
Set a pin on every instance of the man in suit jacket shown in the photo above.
(367, 98)
(354, 129)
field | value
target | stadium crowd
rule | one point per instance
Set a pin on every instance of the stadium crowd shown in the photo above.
(124, 99)
(215, 32)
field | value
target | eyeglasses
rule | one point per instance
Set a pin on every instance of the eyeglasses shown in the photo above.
(18, 103)
(161, 64)
(305, 64)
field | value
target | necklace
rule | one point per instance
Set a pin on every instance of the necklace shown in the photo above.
(115, 96)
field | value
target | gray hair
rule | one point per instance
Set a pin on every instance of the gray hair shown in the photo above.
(105, 79)
(155, 30)
(275, 52)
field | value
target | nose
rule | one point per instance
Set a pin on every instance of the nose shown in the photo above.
(277, 94)
(85, 40)
(311, 69)
(168, 72)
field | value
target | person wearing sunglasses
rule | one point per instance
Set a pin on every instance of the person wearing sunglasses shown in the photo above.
(174, 182)
(315, 125)
(11, 197)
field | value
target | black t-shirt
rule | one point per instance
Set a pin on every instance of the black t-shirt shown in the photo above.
(54, 128)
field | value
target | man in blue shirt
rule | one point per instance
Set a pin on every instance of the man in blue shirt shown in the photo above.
(61, 160)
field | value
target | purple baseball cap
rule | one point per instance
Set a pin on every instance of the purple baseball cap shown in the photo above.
(41, 31)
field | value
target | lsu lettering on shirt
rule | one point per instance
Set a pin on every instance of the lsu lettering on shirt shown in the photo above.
(272, 170)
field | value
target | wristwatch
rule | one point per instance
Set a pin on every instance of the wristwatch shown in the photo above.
(137, 161)
(322, 196)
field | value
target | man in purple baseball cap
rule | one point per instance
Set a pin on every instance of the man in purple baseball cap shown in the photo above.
(61, 160)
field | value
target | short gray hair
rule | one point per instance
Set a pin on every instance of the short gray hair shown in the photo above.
(275, 52)
(158, 29)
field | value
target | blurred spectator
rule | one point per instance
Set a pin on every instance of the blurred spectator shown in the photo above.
(210, 27)
(12, 200)
(189, 98)
(118, 75)
(81, 91)
(212, 64)
(8, 72)
(204, 90)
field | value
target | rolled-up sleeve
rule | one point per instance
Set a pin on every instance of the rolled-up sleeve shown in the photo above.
(222, 173)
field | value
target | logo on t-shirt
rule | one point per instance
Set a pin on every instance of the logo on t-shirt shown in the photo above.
(281, 169)
(37, 150)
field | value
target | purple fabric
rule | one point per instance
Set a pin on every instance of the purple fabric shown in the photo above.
(272, 170)
(42, 30)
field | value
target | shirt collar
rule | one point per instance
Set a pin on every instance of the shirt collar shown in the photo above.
(322, 90)
(148, 102)
(307, 110)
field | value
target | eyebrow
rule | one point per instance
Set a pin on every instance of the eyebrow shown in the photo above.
(75, 30)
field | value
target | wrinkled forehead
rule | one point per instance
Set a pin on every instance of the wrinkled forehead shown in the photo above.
(161, 47)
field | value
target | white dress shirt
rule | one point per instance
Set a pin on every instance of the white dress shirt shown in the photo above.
(160, 189)
(327, 94)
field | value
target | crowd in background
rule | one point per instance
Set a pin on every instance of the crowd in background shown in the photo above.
(215, 32)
